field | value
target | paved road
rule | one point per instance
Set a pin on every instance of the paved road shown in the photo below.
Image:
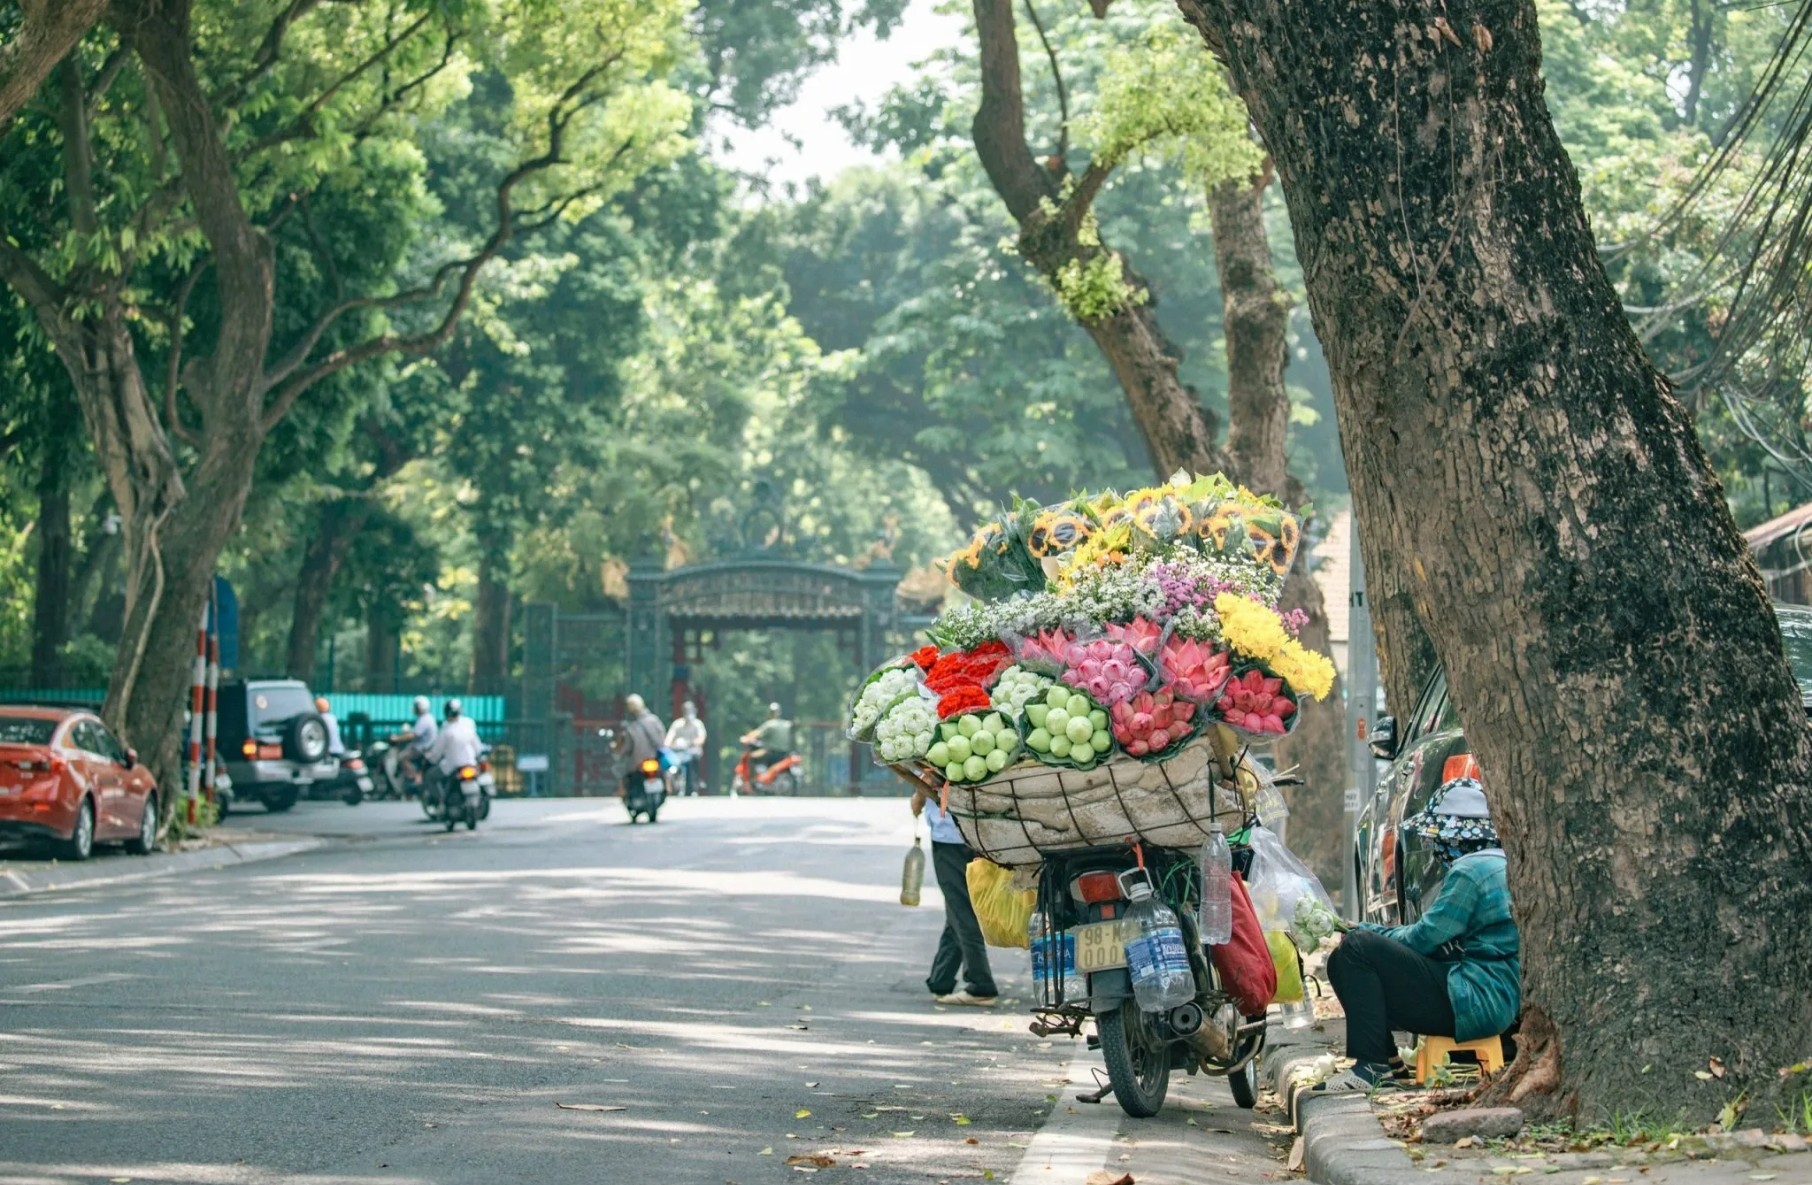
(412, 1006)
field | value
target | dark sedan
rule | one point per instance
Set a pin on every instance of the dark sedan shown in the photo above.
(1397, 873)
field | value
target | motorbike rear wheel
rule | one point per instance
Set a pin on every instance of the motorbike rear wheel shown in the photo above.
(1138, 1060)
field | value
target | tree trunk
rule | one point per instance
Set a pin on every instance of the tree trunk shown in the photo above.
(338, 523)
(491, 624)
(1522, 472)
(380, 649)
(1178, 430)
(1255, 314)
(48, 31)
(51, 603)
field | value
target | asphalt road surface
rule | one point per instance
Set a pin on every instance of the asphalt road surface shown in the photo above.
(558, 997)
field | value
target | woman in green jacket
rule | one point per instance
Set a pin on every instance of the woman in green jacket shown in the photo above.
(1454, 972)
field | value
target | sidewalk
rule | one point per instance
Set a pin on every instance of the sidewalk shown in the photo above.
(21, 876)
(1348, 1139)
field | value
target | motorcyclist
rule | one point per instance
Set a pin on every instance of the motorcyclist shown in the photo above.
(773, 741)
(643, 736)
(687, 740)
(456, 744)
(335, 746)
(418, 737)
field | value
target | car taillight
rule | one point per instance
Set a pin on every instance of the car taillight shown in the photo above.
(484, 767)
(467, 773)
(1459, 766)
(354, 763)
(42, 765)
(1096, 887)
(1389, 856)
(250, 749)
(651, 767)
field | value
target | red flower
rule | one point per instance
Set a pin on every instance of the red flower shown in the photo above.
(924, 657)
(965, 698)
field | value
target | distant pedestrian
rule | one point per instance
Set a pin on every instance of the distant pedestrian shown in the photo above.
(686, 738)
(961, 946)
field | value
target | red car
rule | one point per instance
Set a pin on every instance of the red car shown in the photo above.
(66, 779)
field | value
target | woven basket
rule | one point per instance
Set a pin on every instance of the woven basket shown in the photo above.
(1018, 815)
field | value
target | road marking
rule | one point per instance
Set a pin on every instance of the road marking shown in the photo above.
(1077, 1138)
(65, 984)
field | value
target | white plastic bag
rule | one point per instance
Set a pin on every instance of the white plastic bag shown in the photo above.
(1279, 884)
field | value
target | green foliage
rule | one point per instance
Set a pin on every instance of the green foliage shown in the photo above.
(1097, 288)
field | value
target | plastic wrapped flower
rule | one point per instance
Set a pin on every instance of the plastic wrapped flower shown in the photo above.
(905, 733)
(1151, 722)
(1141, 633)
(882, 692)
(1017, 687)
(1251, 629)
(1106, 669)
(967, 697)
(1303, 669)
(1192, 670)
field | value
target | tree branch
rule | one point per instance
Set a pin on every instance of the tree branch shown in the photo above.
(50, 29)
(173, 365)
(269, 50)
(304, 124)
(1000, 122)
(289, 385)
(78, 154)
(23, 275)
(103, 81)
(1063, 95)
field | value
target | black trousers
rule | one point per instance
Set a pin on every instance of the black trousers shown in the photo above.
(1386, 986)
(961, 946)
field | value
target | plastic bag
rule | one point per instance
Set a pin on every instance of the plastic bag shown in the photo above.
(1003, 913)
(912, 874)
(1244, 961)
(1288, 962)
(1279, 882)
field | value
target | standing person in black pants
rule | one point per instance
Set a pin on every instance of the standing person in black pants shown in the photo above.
(961, 947)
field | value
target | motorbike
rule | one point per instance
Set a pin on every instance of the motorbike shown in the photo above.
(351, 782)
(390, 779)
(757, 773)
(463, 798)
(645, 789)
(1084, 896)
(436, 788)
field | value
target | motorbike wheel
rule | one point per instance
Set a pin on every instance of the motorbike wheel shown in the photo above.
(654, 815)
(472, 821)
(1138, 1061)
(787, 784)
(484, 806)
(452, 821)
(1244, 1084)
(355, 796)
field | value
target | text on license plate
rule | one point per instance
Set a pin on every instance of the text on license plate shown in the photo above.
(1101, 946)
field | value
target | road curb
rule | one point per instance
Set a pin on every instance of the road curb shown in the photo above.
(1342, 1141)
(21, 882)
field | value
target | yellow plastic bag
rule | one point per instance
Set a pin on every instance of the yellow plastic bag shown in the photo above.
(1003, 913)
(1288, 964)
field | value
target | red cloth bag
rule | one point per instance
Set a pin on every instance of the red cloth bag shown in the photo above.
(1244, 961)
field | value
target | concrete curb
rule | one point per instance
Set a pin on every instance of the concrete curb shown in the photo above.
(1343, 1142)
(119, 869)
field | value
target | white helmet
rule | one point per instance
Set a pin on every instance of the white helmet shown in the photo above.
(421, 704)
(454, 708)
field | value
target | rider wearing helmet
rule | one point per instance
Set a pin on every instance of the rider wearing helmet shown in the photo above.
(335, 746)
(456, 744)
(418, 738)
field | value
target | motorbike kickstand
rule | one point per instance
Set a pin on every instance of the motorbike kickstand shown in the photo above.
(1103, 1088)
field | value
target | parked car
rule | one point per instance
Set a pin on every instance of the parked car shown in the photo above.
(65, 779)
(272, 742)
(1398, 873)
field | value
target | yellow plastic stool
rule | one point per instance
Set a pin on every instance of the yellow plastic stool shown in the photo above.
(1433, 1052)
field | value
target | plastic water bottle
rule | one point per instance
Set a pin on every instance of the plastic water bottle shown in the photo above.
(1075, 984)
(1161, 978)
(912, 877)
(1038, 939)
(1216, 918)
(1053, 957)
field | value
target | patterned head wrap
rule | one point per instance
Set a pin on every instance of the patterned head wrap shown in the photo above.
(1457, 819)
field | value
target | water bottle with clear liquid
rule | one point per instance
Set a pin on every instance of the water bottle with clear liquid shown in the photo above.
(1054, 955)
(1038, 939)
(1159, 966)
(1215, 921)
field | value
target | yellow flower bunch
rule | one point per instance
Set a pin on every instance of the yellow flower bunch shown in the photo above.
(1306, 672)
(1249, 628)
(1258, 633)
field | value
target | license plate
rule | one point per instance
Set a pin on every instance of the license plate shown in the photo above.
(652, 786)
(1102, 945)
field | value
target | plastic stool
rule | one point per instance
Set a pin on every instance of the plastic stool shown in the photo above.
(1433, 1051)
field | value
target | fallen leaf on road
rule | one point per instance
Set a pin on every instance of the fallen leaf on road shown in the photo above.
(1108, 1178)
(765, 1152)
(961, 1120)
(818, 1159)
(1465, 1141)
(800, 1026)
(584, 1107)
(811, 1086)
(802, 1113)
(1702, 1075)
(871, 1114)
(1761, 1176)
(901, 1135)
(971, 1140)
(1296, 1154)
(1716, 1065)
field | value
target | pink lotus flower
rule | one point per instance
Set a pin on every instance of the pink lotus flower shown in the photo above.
(1194, 671)
(1140, 633)
(1152, 722)
(1109, 671)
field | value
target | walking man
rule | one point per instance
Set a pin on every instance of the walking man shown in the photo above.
(961, 947)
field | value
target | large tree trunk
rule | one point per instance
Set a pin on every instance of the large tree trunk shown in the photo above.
(1255, 315)
(337, 524)
(51, 604)
(1178, 431)
(491, 623)
(48, 30)
(1525, 475)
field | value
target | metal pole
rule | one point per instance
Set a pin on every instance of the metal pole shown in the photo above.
(1361, 703)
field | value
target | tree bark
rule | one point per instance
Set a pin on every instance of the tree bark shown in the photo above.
(1052, 217)
(51, 601)
(49, 30)
(1255, 314)
(380, 649)
(337, 524)
(491, 624)
(1525, 476)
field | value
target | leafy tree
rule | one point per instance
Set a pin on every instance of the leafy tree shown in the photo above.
(157, 271)
(1518, 462)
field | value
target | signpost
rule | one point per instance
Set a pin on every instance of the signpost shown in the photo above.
(1361, 704)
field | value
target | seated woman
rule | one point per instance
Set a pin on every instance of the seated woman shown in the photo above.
(1454, 973)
